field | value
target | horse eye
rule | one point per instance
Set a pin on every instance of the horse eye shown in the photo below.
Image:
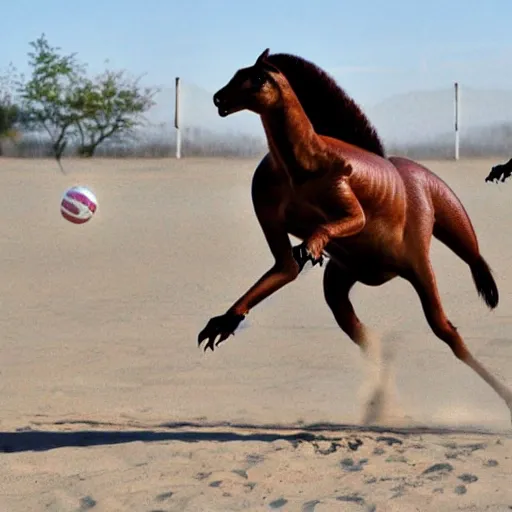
(258, 80)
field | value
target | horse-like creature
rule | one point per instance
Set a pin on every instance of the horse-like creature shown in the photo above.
(328, 182)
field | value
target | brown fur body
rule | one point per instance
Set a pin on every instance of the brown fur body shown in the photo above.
(374, 215)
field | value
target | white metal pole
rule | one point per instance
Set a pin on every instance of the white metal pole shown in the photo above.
(177, 118)
(457, 139)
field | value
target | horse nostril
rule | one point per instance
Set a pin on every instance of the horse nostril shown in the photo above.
(216, 100)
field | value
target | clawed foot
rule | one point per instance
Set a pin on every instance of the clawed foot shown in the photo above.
(220, 326)
(302, 256)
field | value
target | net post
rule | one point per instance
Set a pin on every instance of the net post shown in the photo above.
(457, 137)
(177, 118)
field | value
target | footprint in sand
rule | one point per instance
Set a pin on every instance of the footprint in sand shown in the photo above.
(438, 468)
(349, 464)
(390, 441)
(352, 498)
(164, 496)
(203, 475)
(240, 472)
(354, 445)
(468, 478)
(86, 503)
(326, 448)
(464, 450)
(397, 458)
(309, 506)
(254, 458)
(281, 502)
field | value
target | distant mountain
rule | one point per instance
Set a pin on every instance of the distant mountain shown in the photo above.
(424, 116)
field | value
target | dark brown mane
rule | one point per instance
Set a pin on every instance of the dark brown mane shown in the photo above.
(331, 111)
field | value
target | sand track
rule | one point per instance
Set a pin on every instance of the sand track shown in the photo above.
(107, 404)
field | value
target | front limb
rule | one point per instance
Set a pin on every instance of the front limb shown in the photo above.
(269, 207)
(283, 272)
(350, 224)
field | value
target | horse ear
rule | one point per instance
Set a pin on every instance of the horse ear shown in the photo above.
(263, 57)
(265, 63)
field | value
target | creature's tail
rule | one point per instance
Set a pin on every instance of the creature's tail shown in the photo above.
(453, 228)
(484, 282)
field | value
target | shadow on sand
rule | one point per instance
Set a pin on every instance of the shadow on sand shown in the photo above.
(42, 440)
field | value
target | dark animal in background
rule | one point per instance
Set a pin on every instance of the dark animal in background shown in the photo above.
(500, 172)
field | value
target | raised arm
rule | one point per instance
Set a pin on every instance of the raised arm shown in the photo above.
(269, 206)
(350, 223)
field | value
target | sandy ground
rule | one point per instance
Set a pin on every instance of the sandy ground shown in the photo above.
(108, 405)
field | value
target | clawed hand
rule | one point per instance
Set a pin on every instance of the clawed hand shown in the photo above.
(302, 255)
(220, 326)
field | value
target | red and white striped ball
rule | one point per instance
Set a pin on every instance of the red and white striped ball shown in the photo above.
(78, 205)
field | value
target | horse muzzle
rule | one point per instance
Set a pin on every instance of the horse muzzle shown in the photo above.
(223, 106)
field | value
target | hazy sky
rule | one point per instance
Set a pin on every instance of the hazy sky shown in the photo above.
(373, 48)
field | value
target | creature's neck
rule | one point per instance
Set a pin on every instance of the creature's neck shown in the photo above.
(292, 140)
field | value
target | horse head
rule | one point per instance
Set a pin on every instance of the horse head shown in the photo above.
(253, 88)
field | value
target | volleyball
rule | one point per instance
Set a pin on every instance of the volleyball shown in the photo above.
(78, 205)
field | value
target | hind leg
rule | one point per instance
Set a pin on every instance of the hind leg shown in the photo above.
(337, 284)
(423, 280)
(379, 396)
